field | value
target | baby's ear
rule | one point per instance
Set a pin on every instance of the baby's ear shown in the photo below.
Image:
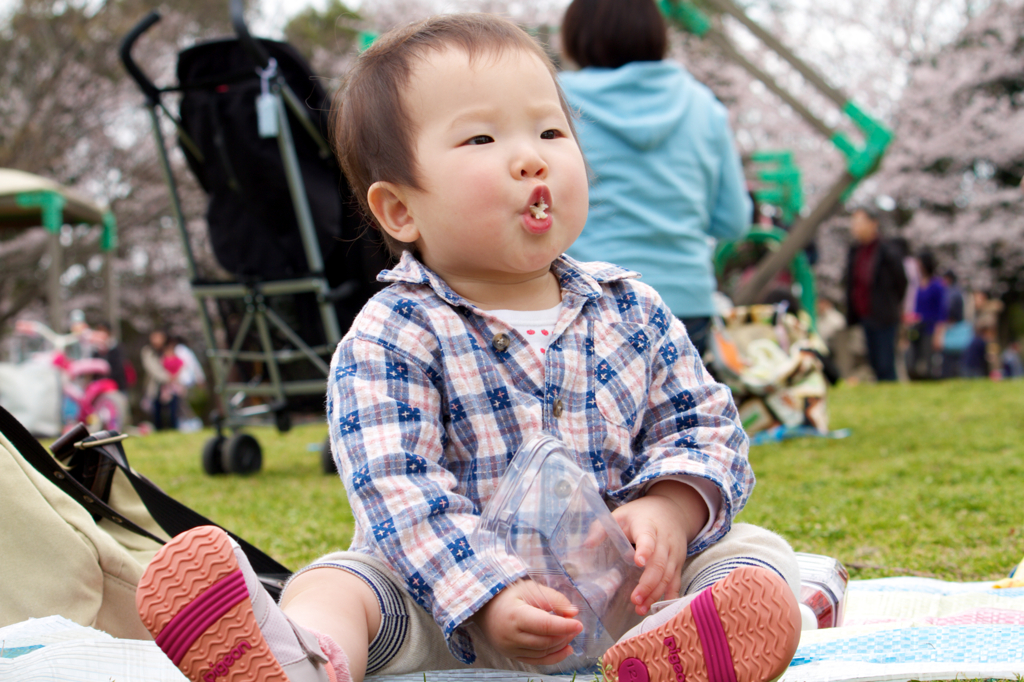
(387, 202)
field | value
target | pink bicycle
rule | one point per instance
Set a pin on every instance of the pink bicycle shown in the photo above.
(88, 394)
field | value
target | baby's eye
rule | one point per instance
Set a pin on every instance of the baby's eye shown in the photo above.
(551, 134)
(480, 139)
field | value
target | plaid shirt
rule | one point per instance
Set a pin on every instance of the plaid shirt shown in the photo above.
(429, 398)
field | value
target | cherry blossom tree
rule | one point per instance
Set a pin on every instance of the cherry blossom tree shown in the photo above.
(69, 113)
(958, 161)
(878, 54)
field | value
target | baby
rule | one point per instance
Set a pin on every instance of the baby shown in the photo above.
(173, 365)
(456, 139)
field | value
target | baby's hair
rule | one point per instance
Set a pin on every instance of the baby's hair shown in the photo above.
(373, 134)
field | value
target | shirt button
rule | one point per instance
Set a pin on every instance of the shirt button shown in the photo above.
(557, 408)
(501, 342)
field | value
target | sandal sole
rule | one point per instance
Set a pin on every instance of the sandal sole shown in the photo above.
(193, 600)
(744, 628)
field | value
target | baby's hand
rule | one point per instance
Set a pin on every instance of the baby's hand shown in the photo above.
(516, 623)
(660, 525)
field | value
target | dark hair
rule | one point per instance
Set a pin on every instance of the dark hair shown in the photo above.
(902, 245)
(372, 133)
(928, 263)
(611, 33)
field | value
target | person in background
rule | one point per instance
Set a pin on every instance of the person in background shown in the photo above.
(957, 330)
(981, 358)
(156, 377)
(875, 284)
(913, 271)
(930, 312)
(911, 268)
(192, 379)
(192, 373)
(1013, 366)
(104, 345)
(666, 174)
(172, 391)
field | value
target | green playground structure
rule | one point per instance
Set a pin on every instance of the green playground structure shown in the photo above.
(861, 160)
(780, 183)
(729, 254)
(28, 200)
(780, 186)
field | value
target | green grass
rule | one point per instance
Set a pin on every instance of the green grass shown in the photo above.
(290, 509)
(927, 484)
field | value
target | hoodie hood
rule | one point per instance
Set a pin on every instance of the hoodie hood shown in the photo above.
(641, 102)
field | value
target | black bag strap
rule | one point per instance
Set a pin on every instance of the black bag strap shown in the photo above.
(94, 462)
(43, 462)
(170, 514)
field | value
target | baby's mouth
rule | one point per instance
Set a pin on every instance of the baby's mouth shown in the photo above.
(539, 209)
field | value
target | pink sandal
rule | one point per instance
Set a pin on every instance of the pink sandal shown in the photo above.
(193, 598)
(744, 628)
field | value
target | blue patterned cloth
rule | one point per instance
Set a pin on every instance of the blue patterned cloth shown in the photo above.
(949, 644)
(430, 397)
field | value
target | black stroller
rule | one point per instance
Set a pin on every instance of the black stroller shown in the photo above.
(280, 221)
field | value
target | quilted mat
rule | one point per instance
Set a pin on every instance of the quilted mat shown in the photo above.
(894, 629)
(920, 629)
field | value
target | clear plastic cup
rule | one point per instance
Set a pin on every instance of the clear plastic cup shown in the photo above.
(547, 524)
(823, 582)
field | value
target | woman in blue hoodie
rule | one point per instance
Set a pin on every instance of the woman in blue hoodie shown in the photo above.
(666, 174)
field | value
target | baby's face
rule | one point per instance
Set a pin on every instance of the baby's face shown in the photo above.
(504, 186)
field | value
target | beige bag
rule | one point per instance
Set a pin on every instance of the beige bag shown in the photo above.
(55, 559)
(76, 537)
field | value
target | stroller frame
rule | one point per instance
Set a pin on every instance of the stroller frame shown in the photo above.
(241, 452)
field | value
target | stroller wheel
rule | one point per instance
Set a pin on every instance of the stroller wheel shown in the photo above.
(242, 454)
(283, 421)
(327, 458)
(213, 452)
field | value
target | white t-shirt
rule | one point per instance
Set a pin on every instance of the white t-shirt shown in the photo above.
(536, 326)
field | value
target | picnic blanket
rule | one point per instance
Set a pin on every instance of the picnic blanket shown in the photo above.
(917, 629)
(895, 629)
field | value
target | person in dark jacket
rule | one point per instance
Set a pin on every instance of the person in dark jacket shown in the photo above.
(105, 346)
(875, 284)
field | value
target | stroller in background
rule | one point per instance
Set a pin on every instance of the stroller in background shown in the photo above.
(280, 220)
